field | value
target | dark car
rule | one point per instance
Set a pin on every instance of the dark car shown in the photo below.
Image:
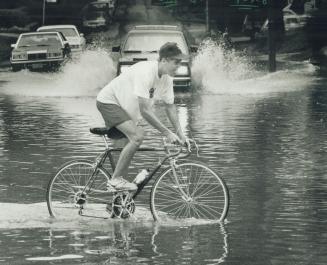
(143, 43)
(96, 20)
(39, 50)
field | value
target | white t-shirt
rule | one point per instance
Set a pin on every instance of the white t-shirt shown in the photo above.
(139, 80)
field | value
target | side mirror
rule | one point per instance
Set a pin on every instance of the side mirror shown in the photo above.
(82, 35)
(116, 49)
(13, 45)
(194, 48)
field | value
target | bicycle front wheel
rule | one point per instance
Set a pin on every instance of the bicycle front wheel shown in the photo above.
(70, 188)
(196, 192)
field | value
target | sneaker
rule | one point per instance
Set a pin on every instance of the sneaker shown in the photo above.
(121, 184)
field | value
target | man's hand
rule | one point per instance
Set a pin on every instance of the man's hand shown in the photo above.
(186, 142)
(173, 138)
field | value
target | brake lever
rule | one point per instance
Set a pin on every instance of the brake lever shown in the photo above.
(195, 145)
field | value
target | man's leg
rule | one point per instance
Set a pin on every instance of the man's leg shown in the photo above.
(135, 138)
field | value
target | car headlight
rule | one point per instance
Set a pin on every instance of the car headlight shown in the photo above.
(54, 54)
(123, 68)
(19, 56)
(75, 46)
(182, 70)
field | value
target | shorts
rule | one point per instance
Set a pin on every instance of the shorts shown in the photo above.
(113, 115)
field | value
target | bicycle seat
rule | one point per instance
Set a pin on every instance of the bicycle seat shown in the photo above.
(112, 133)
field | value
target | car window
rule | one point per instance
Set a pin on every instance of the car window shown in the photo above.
(62, 36)
(291, 20)
(68, 32)
(99, 6)
(152, 41)
(39, 40)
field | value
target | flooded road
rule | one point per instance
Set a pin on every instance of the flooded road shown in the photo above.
(265, 133)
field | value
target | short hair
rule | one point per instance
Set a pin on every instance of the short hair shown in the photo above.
(170, 50)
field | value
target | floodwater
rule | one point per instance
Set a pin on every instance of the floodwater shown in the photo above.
(265, 133)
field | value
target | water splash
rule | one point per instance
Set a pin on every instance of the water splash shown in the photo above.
(219, 70)
(83, 77)
(214, 62)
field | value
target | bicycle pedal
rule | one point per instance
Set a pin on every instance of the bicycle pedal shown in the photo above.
(111, 189)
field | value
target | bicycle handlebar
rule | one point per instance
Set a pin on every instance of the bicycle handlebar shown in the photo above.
(188, 147)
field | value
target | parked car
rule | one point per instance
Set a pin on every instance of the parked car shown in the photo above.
(143, 43)
(39, 50)
(94, 20)
(75, 39)
(292, 21)
(108, 6)
(302, 19)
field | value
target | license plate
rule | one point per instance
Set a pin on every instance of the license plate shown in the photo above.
(37, 65)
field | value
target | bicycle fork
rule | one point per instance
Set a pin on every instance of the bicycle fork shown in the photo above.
(173, 166)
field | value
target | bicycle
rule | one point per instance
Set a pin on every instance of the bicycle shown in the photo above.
(182, 189)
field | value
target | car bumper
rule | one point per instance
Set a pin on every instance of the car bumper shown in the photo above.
(182, 82)
(38, 64)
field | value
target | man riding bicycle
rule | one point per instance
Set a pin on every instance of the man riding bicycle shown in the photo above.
(130, 97)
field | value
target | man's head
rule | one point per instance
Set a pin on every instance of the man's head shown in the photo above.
(170, 57)
(170, 50)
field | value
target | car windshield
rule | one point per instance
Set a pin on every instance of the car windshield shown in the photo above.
(68, 32)
(152, 41)
(39, 40)
(94, 15)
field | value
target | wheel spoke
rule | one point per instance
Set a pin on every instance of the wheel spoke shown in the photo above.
(207, 190)
(208, 209)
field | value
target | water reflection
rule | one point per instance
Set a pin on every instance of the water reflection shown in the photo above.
(187, 245)
(118, 243)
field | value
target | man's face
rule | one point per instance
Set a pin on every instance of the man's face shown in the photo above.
(171, 66)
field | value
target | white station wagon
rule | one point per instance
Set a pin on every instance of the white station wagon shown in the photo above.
(75, 39)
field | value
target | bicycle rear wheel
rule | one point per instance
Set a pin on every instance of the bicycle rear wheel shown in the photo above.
(66, 190)
(200, 194)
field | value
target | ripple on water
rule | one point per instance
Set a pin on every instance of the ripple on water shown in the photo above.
(68, 256)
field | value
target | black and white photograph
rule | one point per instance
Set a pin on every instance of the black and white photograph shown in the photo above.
(156, 132)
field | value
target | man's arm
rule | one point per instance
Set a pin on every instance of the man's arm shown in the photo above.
(148, 114)
(172, 115)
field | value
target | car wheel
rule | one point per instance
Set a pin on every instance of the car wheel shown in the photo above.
(16, 68)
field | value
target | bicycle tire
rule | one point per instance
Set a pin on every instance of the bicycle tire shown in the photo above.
(207, 194)
(68, 183)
